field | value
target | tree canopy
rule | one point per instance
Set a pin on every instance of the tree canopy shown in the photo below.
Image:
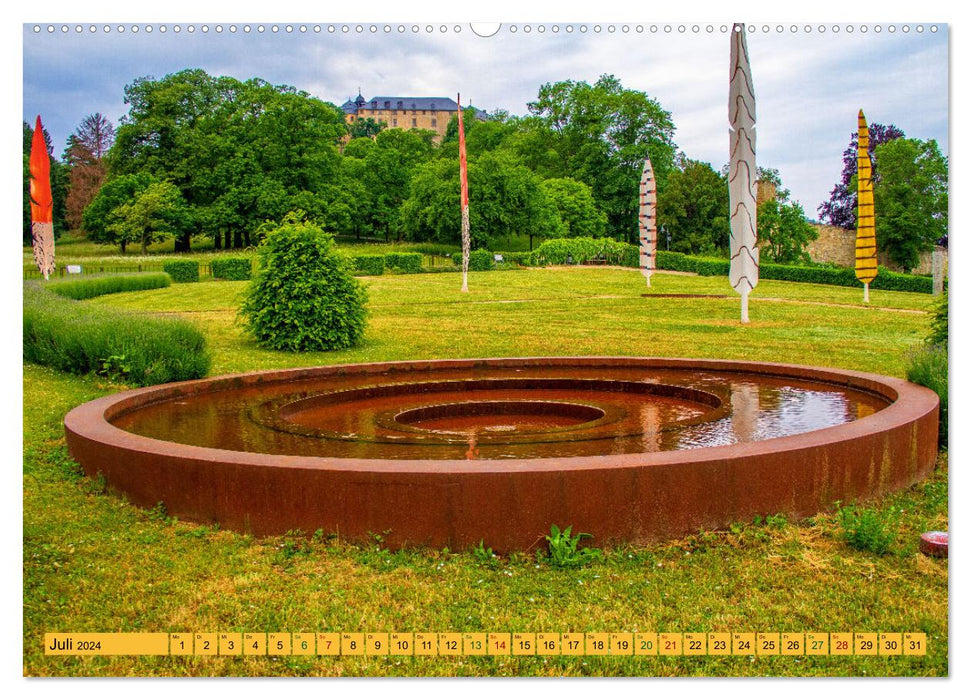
(239, 152)
(694, 209)
(600, 134)
(783, 230)
(911, 197)
(840, 208)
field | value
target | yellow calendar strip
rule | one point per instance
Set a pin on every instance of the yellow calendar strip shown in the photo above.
(613, 644)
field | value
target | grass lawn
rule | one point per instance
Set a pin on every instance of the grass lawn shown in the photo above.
(94, 563)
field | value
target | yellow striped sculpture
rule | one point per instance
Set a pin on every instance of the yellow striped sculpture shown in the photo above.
(866, 234)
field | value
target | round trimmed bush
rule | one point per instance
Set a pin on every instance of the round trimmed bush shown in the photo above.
(303, 297)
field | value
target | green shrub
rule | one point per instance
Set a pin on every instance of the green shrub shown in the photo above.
(135, 348)
(927, 366)
(232, 268)
(479, 260)
(371, 265)
(679, 262)
(91, 287)
(303, 297)
(814, 274)
(565, 251)
(866, 529)
(564, 552)
(409, 263)
(515, 258)
(182, 270)
(939, 328)
(712, 267)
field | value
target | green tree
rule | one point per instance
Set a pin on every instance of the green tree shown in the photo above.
(366, 128)
(577, 210)
(387, 172)
(783, 230)
(910, 194)
(240, 152)
(693, 210)
(599, 134)
(505, 198)
(99, 216)
(157, 213)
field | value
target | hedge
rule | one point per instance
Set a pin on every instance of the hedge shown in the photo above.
(368, 264)
(138, 349)
(90, 287)
(813, 274)
(479, 260)
(565, 251)
(182, 270)
(409, 263)
(232, 268)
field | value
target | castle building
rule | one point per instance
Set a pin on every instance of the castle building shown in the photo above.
(432, 113)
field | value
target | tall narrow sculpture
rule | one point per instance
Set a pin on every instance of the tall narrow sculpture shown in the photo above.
(647, 221)
(464, 177)
(41, 203)
(866, 233)
(744, 270)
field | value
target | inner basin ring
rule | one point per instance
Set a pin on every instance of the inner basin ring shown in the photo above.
(536, 409)
(521, 416)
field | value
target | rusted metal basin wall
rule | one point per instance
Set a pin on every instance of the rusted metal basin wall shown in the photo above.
(510, 504)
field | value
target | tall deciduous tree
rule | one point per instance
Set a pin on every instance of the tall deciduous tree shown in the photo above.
(240, 152)
(155, 214)
(600, 134)
(99, 216)
(784, 232)
(840, 208)
(85, 155)
(577, 210)
(506, 198)
(693, 210)
(911, 199)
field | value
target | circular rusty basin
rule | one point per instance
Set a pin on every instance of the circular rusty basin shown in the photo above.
(454, 452)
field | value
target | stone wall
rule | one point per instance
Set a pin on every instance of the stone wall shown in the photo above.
(838, 245)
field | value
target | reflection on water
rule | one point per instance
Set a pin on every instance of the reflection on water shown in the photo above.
(753, 407)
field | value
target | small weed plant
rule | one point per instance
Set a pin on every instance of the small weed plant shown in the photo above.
(565, 552)
(484, 555)
(865, 529)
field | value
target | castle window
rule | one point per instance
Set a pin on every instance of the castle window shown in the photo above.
(434, 122)
(432, 105)
(414, 122)
(401, 105)
(394, 122)
(387, 104)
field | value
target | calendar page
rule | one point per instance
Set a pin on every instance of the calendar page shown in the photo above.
(438, 349)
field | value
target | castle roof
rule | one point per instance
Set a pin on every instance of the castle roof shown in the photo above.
(434, 104)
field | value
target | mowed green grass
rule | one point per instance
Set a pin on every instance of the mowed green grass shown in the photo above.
(94, 563)
(571, 311)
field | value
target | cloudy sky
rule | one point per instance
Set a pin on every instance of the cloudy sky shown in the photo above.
(809, 85)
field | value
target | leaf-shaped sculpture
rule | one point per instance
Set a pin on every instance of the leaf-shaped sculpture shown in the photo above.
(464, 177)
(647, 221)
(866, 233)
(744, 270)
(41, 203)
